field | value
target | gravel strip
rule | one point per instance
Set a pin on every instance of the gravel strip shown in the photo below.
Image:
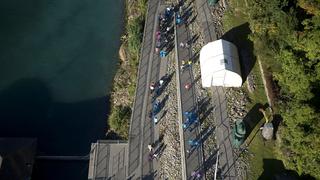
(170, 160)
(237, 99)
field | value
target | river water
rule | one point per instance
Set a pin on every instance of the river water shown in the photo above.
(57, 61)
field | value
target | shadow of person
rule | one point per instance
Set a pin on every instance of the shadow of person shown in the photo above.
(239, 37)
(150, 176)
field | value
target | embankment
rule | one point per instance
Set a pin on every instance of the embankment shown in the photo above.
(124, 83)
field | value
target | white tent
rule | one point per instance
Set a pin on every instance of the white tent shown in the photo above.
(219, 63)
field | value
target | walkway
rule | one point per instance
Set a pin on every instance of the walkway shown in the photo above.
(226, 157)
(141, 131)
(108, 160)
(187, 102)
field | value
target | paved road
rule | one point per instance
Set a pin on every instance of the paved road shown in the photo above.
(205, 20)
(226, 156)
(142, 131)
(193, 160)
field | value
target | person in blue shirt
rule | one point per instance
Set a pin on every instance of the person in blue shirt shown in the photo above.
(163, 53)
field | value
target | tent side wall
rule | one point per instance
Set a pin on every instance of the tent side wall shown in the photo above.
(231, 50)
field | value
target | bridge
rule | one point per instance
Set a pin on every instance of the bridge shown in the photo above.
(143, 132)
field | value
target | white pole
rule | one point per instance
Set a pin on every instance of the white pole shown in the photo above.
(215, 173)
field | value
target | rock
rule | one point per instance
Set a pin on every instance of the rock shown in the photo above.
(122, 53)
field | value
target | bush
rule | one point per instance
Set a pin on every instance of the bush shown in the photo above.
(118, 120)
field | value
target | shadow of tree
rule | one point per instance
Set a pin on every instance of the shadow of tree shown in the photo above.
(27, 109)
(275, 170)
(252, 118)
(26, 103)
(271, 167)
(239, 37)
(277, 119)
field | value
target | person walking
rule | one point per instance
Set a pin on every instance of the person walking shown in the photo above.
(183, 64)
(152, 86)
(157, 103)
(187, 45)
(163, 53)
(168, 29)
(196, 174)
(161, 82)
(150, 148)
(181, 45)
(155, 119)
(187, 86)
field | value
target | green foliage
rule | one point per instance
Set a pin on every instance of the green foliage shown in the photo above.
(134, 30)
(287, 34)
(311, 6)
(293, 78)
(142, 6)
(120, 115)
(119, 120)
(300, 136)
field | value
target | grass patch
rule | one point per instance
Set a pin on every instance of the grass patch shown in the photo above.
(259, 94)
(263, 158)
(230, 20)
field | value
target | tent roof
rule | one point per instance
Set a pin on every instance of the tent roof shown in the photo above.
(219, 64)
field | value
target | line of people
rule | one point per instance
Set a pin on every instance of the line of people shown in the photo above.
(156, 89)
(165, 34)
(191, 119)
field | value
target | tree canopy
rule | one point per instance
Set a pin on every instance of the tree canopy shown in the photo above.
(286, 34)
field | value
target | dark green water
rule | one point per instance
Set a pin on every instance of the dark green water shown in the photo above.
(57, 61)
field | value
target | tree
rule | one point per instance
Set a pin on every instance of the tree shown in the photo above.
(119, 120)
(287, 34)
(301, 138)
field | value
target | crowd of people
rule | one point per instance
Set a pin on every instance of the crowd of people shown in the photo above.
(165, 32)
(164, 37)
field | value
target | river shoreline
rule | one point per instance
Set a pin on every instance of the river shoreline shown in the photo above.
(124, 82)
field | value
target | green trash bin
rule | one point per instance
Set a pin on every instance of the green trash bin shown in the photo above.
(212, 2)
(238, 133)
